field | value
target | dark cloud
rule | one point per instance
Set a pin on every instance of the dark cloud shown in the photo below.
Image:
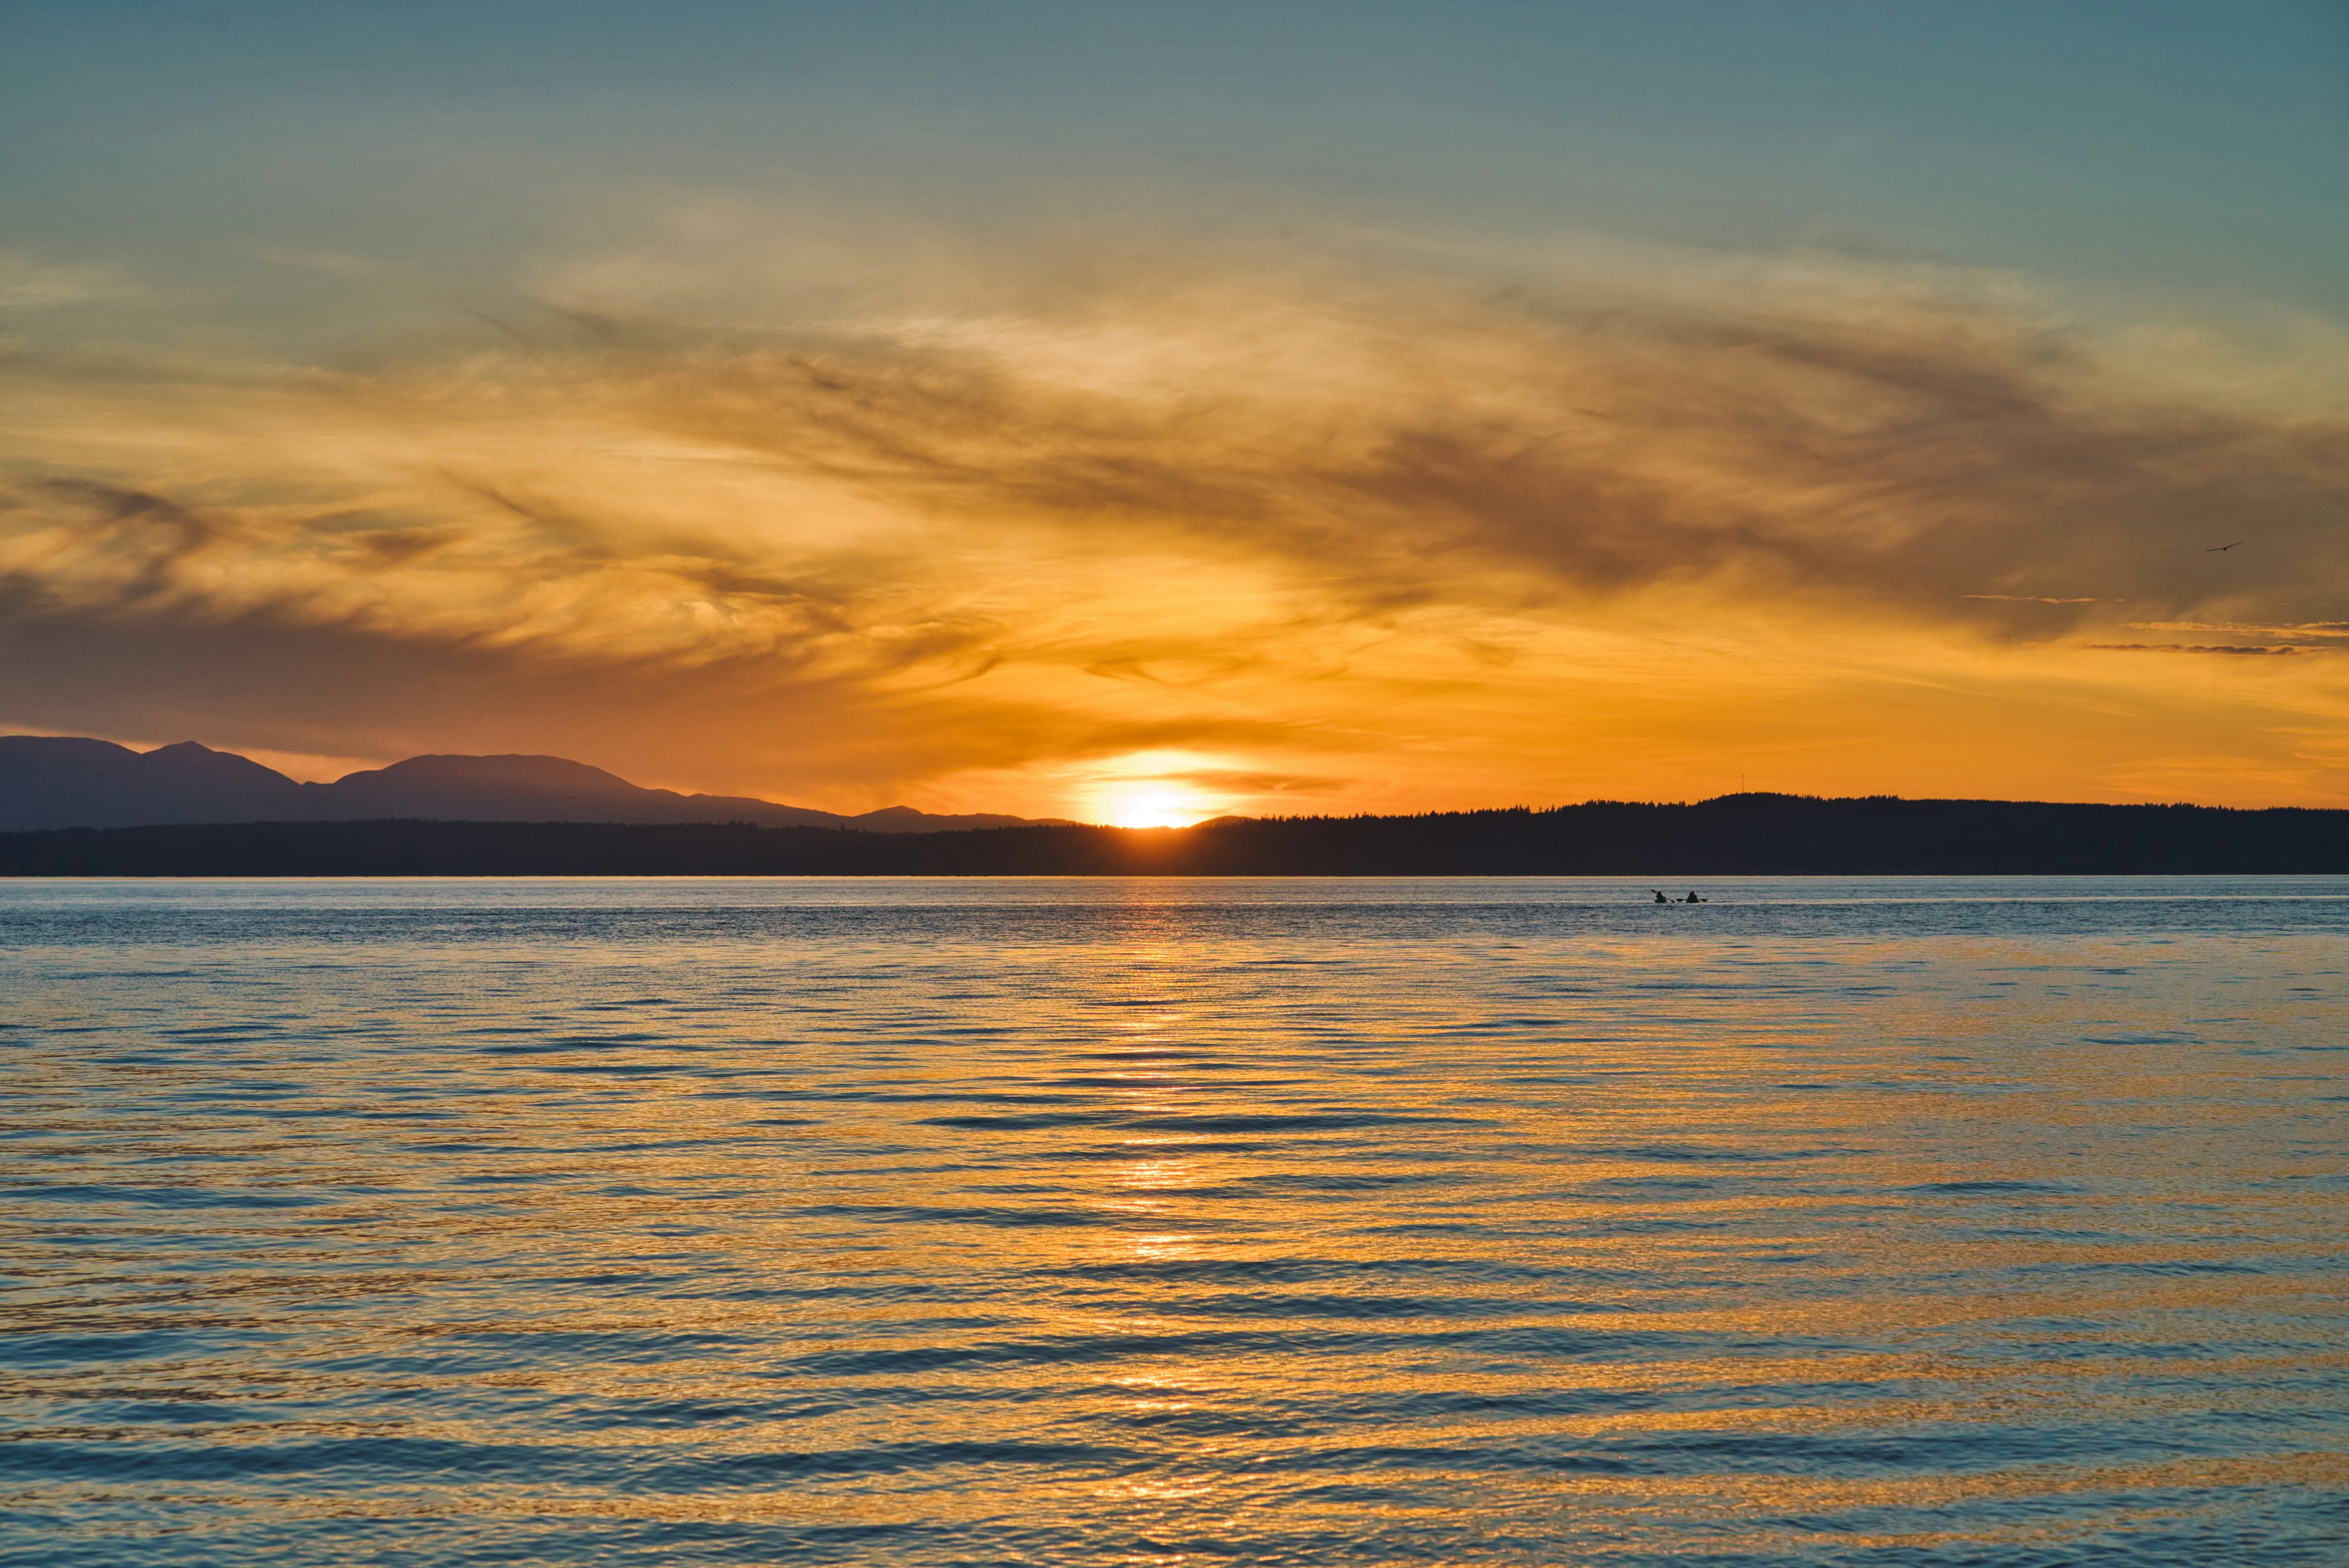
(2184, 648)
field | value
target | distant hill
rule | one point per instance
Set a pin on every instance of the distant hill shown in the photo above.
(48, 782)
(1734, 835)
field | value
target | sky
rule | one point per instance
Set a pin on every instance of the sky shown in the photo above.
(1145, 413)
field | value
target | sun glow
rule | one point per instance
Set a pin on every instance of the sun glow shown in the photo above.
(1152, 803)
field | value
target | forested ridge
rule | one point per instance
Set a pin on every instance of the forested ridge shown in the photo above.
(1731, 835)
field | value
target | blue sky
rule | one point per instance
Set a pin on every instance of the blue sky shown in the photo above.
(2182, 143)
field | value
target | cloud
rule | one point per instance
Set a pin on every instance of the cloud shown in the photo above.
(880, 519)
(2038, 599)
(1230, 780)
(2304, 630)
(1418, 438)
(2184, 648)
(27, 283)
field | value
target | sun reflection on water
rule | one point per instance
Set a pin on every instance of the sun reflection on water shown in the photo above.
(1162, 1223)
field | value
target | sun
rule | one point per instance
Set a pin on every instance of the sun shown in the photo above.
(1152, 803)
(1159, 788)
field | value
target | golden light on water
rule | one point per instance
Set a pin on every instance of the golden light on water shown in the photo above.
(1147, 1212)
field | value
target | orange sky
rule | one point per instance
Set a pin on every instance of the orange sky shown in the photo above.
(1360, 526)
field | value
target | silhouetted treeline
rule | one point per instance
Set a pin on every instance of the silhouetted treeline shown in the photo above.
(1735, 834)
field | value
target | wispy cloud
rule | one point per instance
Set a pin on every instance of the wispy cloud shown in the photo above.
(882, 521)
(28, 282)
(2038, 599)
(2304, 630)
(2194, 648)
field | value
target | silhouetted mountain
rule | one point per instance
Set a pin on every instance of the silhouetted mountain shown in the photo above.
(514, 789)
(1735, 835)
(57, 782)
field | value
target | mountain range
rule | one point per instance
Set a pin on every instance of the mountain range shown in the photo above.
(57, 781)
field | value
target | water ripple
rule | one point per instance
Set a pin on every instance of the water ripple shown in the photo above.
(1880, 1223)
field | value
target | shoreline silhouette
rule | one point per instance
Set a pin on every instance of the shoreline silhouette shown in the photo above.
(1731, 835)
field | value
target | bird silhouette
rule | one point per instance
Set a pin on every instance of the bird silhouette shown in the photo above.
(2219, 549)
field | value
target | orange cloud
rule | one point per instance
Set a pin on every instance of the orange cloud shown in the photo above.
(1368, 534)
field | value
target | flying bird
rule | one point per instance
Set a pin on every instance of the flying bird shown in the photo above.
(2217, 549)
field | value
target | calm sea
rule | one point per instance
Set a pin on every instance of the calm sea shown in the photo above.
(1149, 1223)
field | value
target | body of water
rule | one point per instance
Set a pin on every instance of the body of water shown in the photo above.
(1856, 1222)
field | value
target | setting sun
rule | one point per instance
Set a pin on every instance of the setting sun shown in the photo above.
(1162, 788)
(1152, 803)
